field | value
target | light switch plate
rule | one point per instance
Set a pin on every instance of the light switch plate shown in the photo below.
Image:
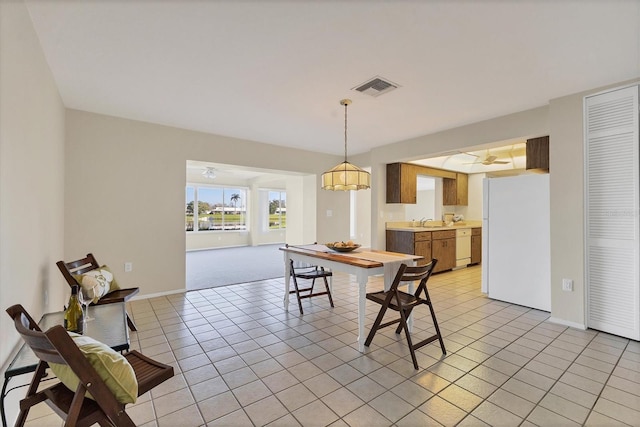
(567, 285)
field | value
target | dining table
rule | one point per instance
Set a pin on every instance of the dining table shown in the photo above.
(362, 262)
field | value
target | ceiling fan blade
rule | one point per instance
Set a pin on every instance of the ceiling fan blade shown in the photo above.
(502, 162)
(468, 154)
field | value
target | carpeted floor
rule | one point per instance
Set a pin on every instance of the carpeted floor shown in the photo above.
(227, 266)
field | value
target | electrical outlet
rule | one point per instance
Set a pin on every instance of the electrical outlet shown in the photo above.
(329, 213)
(128, 267)
(567, 285)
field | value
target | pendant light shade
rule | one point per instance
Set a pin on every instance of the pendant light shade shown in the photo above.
(345, 176)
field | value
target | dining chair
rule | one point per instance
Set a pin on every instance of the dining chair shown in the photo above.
(73, 271)
(309, 272)
(100, 381)
(404, 303)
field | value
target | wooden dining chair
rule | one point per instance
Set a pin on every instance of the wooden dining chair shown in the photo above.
(84, 265)
(404, 303)
(56, 346)
(309, 272)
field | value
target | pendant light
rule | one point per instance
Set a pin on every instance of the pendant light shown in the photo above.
(345, 176)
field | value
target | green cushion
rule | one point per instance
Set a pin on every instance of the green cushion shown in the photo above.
(97, 283)
(114, 283)
(111, 366)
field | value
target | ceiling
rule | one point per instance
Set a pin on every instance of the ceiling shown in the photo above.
(510, 157)
(275, 71)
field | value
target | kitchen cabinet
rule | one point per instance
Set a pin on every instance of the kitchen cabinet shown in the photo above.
(538, 154)
(443, 248)
(402, 179)
(410, 242)
(476, 245)
(455, 191)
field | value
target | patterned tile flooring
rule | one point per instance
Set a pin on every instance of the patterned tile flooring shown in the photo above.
(241, 360)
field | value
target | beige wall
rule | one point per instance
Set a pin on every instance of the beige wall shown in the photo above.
(125, 193)
(31, 179)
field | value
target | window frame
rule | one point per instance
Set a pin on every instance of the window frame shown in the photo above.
(280, 192)
(231, 189)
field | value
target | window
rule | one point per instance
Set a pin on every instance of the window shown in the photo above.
(219, 208)
(277, 209)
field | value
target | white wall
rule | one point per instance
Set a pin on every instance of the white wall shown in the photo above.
(426, 200)
(474, 209)
(31, 180)
(362, 234)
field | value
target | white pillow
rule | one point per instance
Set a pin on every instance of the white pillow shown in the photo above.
(96, 283)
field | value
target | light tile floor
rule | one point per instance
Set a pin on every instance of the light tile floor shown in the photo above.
(241, 360)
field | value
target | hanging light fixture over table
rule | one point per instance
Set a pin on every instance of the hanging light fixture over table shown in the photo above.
(345, 176)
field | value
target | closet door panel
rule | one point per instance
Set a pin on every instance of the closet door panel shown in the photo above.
(612, 219)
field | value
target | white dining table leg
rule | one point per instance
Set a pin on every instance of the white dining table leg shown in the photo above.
(363, 277)
(287, 279)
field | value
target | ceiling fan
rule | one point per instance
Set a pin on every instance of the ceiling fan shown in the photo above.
(489, 159)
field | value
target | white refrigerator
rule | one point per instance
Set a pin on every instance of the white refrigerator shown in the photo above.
(516, 265)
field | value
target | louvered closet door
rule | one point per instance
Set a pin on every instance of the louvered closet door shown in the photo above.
(612, 222)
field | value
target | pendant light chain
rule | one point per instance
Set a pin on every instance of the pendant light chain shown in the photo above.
(345, 131)
(345, 176)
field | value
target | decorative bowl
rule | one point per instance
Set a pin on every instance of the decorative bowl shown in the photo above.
(332, 246)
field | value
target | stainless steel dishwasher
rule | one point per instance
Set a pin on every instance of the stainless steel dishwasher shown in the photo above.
(463, 247)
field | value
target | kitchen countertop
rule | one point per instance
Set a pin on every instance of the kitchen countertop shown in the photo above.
(406, 226)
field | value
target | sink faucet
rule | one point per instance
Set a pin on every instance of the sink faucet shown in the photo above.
(423, 220)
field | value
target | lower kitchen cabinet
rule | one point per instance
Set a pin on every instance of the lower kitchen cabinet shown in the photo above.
(422, 247)
(443, 248)
(409, 242)
(476, 245)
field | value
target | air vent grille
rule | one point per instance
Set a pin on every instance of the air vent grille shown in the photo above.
(376, 86)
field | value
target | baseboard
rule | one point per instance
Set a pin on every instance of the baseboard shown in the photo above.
(563, 322)
(234, 246)
(158, 294)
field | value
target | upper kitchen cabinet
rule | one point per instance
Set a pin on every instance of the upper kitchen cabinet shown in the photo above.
(455, 191)
(538, 154)
(402, 181)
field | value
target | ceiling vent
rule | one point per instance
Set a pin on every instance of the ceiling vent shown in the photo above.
(376, 86)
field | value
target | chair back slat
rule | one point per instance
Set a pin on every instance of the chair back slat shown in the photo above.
(33, 336)
(81, 266)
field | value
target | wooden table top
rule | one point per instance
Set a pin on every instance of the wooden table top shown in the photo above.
(364, 258)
